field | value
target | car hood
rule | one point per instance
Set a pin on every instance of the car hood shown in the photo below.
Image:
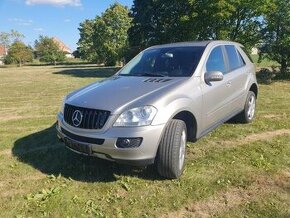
(119, 91)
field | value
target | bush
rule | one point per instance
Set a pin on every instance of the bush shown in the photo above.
(8, 60)
(266, 76)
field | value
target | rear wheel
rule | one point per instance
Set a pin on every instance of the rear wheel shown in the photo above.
(248, 114)
(172, 149)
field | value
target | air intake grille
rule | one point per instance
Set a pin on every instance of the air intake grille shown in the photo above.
(85, 118)
(156, 80)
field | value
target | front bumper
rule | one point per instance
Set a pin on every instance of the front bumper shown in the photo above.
(103, 144)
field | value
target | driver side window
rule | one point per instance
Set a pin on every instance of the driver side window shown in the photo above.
(216, 61)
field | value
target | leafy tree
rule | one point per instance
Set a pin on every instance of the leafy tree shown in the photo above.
(159, 21)
(6, 39)
(19, 53)
(86, 47)
(163, 21)
(236, 20)
(48, 51)
(76, 54)
(104, 39)
(276, 32)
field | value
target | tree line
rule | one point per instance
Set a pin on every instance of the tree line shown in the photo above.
(120, 33)
(45, 49)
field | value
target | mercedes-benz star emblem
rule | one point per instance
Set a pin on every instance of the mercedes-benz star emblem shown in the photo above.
(77, 118)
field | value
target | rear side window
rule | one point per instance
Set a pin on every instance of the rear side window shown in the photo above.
(216, 61)
(247, 53)
(235, 59)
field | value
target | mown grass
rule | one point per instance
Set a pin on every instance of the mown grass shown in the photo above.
(39, 177)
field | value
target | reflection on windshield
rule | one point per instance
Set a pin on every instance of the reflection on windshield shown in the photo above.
(164, 62)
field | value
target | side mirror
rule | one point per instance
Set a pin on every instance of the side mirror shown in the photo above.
(213, 76)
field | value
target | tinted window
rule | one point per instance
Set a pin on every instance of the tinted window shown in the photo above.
(235, 60)
(215, 61)
(171, 62)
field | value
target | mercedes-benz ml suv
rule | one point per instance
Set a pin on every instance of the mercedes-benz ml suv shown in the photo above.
(165, 96)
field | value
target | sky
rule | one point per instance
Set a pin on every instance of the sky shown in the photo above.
(53, 18)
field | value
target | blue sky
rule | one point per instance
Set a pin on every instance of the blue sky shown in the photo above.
(58, 18)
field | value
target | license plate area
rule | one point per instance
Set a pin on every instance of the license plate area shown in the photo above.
(79, 147)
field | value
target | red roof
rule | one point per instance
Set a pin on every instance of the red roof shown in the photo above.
(2, 50)
(61, 45)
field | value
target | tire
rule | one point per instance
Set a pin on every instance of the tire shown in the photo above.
(170, 157)
(248, 114)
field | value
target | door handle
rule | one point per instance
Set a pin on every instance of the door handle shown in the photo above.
(229, 84)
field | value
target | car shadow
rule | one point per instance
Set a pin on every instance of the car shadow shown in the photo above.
(84, 72)
(43, 151)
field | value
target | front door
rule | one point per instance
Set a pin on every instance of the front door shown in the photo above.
(217, 96)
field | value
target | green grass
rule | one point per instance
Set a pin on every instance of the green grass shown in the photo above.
(40, 177)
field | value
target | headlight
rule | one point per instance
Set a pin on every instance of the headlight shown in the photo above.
(140, 116)
(62, 105)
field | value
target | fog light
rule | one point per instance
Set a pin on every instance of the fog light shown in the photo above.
(128, 142)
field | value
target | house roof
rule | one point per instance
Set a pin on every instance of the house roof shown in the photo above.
(2, 50)
(62, 46)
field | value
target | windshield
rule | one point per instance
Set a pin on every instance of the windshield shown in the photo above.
(164, 62)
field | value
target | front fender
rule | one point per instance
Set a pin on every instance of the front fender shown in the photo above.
(168, 111)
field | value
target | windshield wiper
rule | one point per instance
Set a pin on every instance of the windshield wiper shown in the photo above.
(153, 74)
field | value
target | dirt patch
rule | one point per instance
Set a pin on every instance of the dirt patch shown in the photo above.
(275, 116)
(6, 191)
(238, 142)
(6, 152)
(234, 197)
(257, 137)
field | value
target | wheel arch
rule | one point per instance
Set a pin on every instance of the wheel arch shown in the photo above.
(191, 123)
(254, 88)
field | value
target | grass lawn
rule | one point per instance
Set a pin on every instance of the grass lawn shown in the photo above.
(236, 171)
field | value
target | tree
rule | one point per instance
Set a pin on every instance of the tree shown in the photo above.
(236, 20)
(19, 53)
(7, 38)
(104, 39)
(86, 47)
(48, 51)
(163, 21)
(159, 21)
(115, 24)
(276, 33)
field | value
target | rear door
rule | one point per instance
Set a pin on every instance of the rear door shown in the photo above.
(238, 75)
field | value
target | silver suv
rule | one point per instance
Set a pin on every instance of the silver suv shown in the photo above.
(165, 96)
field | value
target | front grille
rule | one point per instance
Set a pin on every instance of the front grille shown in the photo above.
(90, 118)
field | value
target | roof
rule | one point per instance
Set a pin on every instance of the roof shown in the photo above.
(2, 50)
(62, 46)
(193, 43)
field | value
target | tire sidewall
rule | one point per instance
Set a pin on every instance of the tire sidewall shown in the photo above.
(247, 119)
(167, 158)
(177, 161)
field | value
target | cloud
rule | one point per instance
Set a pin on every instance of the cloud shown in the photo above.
(21, 22)
(67, 20)
(39, 29)
(55, 2)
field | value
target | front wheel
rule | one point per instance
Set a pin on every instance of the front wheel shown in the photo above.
(248, 114)
(172, 149)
